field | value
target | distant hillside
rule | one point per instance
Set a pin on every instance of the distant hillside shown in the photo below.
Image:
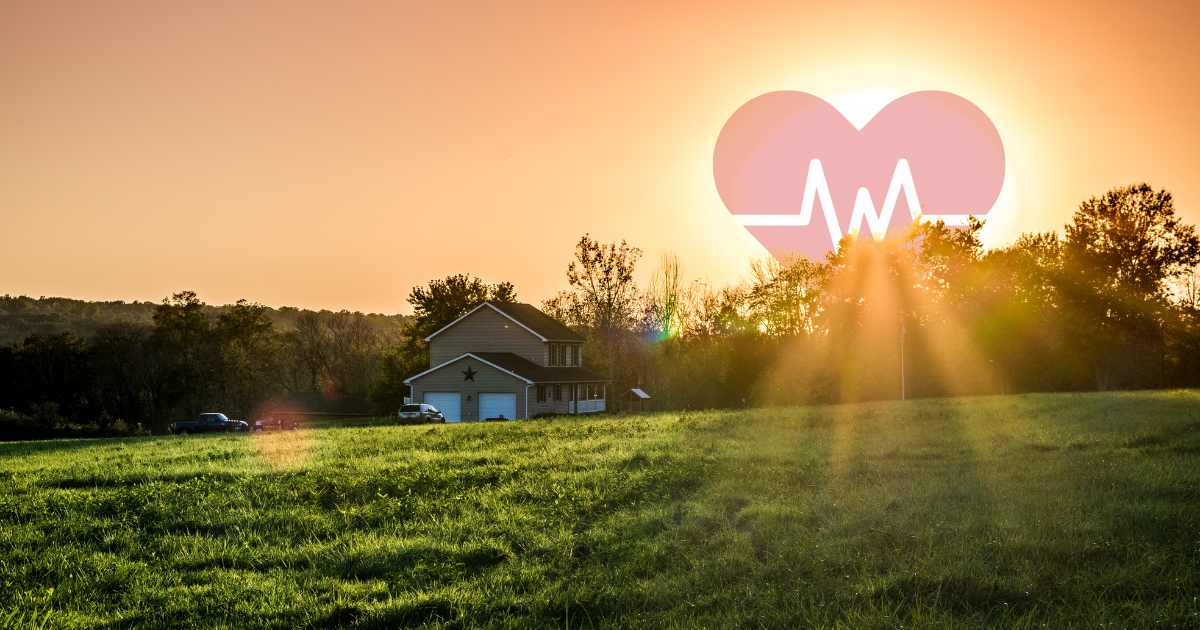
(22, 316)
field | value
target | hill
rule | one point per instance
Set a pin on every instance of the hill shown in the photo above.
(22, 316)
(1018, 511)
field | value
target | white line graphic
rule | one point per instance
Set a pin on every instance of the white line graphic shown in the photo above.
(864, 208)
(815, 184)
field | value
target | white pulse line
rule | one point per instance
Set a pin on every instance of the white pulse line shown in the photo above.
(863, 207)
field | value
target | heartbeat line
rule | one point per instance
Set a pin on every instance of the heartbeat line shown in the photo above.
(815, 186)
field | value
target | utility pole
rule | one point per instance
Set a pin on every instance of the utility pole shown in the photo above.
(901, 356)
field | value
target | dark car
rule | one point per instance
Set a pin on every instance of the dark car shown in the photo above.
(419, 414)
(209, 423)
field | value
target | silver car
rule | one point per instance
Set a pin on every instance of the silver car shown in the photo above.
(419, 414)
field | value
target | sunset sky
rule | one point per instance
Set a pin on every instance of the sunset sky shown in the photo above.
(334, 155)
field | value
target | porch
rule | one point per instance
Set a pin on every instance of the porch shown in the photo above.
(586, 406)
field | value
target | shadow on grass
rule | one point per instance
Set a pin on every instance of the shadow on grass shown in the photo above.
(63, 445)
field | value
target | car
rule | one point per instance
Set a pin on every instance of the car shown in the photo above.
(209, 423)
(272, 424)
(419, 414)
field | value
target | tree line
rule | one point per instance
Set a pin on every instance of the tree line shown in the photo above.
(189, 357)
(1110, 303)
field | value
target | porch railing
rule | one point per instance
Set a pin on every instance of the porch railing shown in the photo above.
(589, 406)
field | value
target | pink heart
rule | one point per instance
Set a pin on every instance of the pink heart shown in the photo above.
(765, 157)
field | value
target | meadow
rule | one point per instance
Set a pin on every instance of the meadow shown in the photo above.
(1060, 511)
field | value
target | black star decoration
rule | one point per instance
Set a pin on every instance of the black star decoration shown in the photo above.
(470, 374)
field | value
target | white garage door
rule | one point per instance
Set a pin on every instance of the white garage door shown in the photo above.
(498, 406)
(450, 404)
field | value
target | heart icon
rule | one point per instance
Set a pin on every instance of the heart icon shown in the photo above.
(798, 175)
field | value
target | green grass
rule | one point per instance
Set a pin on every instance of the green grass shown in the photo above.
(340, 422)
(1025, 511)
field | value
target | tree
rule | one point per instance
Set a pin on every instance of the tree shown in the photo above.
(444, 301)
(1187, 289)
(47, 377)
(307, 349)
(1130, 241)
(389, 390)
(119, 354)
(603, 302)
(354, 347)
(602, 276)
(786, 294)
(1017, 315)
(1120, 253)
(249, 354)
(181, 334)
(434, 307)
(666, 308)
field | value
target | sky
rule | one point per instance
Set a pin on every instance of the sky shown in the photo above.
(334, 155)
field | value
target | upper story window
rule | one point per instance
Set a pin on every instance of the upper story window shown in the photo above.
(565, 354)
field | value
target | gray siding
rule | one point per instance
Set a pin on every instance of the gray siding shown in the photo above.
(485, 330)
(487, 380)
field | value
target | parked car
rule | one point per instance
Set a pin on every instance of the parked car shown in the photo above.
(419, 414)
(272, 424)
(209, 423)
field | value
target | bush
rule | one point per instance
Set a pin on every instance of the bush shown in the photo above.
(48, 425)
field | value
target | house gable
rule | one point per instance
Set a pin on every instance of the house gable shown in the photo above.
(485, 330)
(468, 378)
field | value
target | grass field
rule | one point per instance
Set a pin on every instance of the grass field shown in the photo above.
(1027, 511)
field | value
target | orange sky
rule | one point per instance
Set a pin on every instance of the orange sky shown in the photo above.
(333, 155)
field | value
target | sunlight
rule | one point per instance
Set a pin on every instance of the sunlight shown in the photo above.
(860, 106)
(285, 449)
(1001, 222)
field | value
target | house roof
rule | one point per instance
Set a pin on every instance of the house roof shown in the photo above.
(528, 317)
(636, 392)
(539, 373)
(525, 369)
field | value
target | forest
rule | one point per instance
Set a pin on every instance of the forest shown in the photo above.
(1110, 303)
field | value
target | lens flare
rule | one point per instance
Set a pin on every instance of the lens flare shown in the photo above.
(278, 437)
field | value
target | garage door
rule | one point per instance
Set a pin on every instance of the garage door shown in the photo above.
(498, 406)
(450, 404)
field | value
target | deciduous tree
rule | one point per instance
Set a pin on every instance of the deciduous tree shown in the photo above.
(434, 307)
(1120, 252)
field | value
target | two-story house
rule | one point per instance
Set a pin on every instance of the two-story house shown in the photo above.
(504, 360)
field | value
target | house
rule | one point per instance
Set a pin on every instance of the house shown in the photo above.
(506, 360)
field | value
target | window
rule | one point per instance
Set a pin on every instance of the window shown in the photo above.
(558, 392)
(578, 353)
(553, 354)
(541, 393)
(570, 356)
